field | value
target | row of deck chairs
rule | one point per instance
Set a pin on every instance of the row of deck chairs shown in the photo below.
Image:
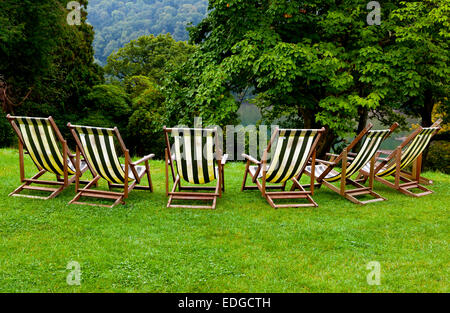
(197, 161)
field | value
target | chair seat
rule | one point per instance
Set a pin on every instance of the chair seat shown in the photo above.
(139, 169)
(319, 169)
(366, 167)
(83, 165)
(253, 169)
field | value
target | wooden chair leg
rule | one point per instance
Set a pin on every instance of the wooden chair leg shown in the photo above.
(149, 177)
(247, 168)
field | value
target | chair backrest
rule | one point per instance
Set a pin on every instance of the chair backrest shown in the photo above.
(293, 150)
(411, 152)
(39, 138)
(369, 148)
(97, 146)
(195, 154)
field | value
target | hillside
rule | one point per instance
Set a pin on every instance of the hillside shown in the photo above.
(116, 22)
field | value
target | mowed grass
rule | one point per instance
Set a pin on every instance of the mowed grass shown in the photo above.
(243, 246)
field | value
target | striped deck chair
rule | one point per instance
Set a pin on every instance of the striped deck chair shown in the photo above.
(199, 161)
(97, 147)
(41, 139)
(295, 148)
(351, 164)
(409, 153)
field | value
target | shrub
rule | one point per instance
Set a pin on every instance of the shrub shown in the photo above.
(6, 133)
(438, 157)
(146, 123)
(107, 106)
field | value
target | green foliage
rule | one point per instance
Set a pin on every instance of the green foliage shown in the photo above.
(48, 61)
(438, 158)
(6, 133)
(107, 106)
(315, 63)
(117, 22)
(28, 35)
(140, 70)
(148, 56)
(148, 118)
(418, 59)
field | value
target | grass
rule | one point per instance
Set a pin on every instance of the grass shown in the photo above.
(243, 246)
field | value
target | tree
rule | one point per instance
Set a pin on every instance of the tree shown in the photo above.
(107, 106)
(27, 37)
(140, 70)
(148, 117)
(312, 64)
(49, 62)
(117, 22)
(422, 31)
(148, 56)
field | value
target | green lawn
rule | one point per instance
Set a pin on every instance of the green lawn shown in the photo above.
(243, 246)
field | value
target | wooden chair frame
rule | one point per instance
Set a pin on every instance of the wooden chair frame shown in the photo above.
(262, 186)
(117, 197)
(344, 158)
(411, 180)
(27, 183)
(211, 193)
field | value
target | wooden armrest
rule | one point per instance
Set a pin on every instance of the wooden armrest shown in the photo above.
(146, 158)
(385, 151)
(251, 159)
(224, 159)
(171, 159)
(325, 162)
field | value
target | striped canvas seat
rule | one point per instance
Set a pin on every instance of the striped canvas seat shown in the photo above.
(407, 154)
(292, 150)
(40, 142)
(194, 154)
(99, 149)
(41, 139)
(291, 154)
(352, 163)
(372, 143)
(410, 153)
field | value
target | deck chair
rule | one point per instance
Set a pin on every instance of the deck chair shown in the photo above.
(351, 164)
(409, 153)
(199, 161)
(96, 145)
(41, 139)
(294, 150)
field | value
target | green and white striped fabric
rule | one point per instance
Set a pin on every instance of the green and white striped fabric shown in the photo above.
(98, 146)
(371, 144)
(194, 154)
(411, 152)
(292, 152)
(40, 142)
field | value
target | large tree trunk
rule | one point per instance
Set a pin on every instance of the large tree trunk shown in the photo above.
(362, 123)
(310, 122)
(427, 109)
(326, 143)
(426, 113)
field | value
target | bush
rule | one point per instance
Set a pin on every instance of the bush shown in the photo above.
(6, 133)
(147, 120)
(107, 106)
(438, 157)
